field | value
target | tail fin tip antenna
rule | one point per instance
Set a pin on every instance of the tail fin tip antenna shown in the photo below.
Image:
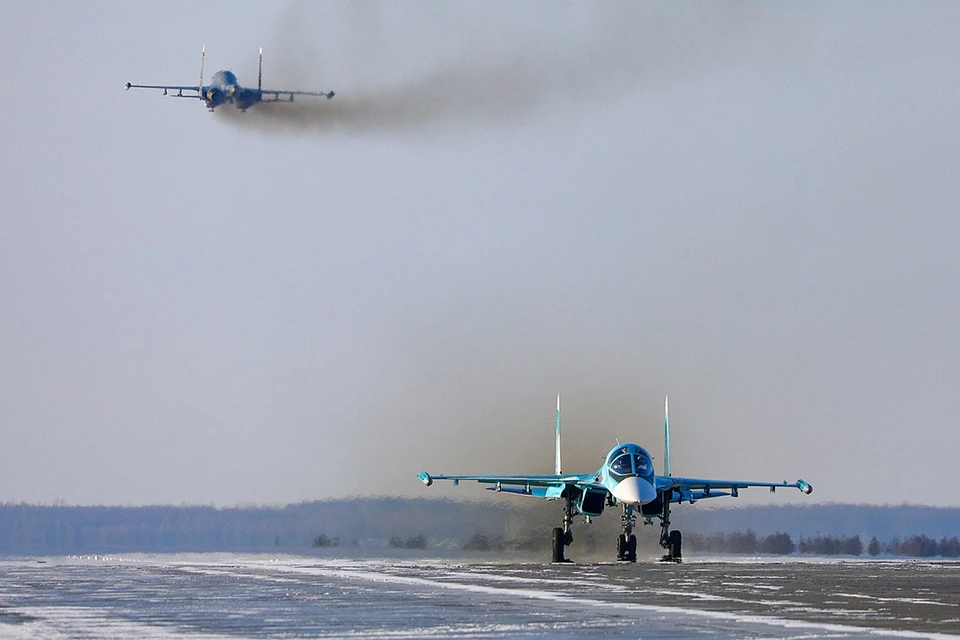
(203, 54)
(556, 467)
(666, 436)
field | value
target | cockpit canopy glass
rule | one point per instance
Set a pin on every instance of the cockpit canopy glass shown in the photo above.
(622, 464)
(630, 460)
(224, 78)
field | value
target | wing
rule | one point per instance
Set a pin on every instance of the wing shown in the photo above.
(692, 489)
(279, 95)
(169, 88)
(545, 486)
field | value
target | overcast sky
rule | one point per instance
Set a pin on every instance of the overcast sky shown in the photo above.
(751, 208)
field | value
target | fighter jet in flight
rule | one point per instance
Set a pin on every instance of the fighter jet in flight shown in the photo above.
(224, 89)
(627, 479)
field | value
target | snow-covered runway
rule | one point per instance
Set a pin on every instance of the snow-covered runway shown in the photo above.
(224, 596)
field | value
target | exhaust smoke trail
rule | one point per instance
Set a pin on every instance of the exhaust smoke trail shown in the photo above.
(412, 67)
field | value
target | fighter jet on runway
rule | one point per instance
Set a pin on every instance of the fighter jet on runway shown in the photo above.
(224, 88)
(627, 479)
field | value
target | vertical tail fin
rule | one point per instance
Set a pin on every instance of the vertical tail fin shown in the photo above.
(556, 467)
(203, 54)
(666, 436)
(260, 72)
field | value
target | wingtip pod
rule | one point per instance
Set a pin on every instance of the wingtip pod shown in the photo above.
(805, 486)
(425, 478)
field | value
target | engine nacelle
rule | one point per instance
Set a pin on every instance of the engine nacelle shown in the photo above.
(214, 97)
(591, 502)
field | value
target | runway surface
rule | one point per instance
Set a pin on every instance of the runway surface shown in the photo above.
(221, 597)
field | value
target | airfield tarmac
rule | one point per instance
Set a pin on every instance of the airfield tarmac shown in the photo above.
(911, 596)
(211, 597)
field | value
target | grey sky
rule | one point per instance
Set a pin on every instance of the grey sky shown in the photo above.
(749, 207)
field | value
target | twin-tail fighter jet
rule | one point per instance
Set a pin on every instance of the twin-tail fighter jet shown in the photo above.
(224, 89)
(627, 479)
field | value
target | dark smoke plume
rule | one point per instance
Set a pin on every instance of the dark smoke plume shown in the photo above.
(414, 67)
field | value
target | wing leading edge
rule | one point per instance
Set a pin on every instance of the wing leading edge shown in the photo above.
(698, 488)
(539, 486)
(275, 95)
(168, 88)
(535, 480)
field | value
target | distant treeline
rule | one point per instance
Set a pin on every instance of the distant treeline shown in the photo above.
(917, 547)
(812, 520)
(358, 524)
(749, 543)
(744, 543)
(364, 525)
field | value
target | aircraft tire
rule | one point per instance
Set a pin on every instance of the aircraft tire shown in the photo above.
(622, 548)
(632, 548)
(676, 544)
(559, 542)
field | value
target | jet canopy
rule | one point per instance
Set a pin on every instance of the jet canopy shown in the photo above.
(223, 79)
(629, 460)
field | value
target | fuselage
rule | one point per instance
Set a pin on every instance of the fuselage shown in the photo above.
(224, 88)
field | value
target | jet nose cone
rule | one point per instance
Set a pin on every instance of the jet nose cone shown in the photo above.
(634, 491)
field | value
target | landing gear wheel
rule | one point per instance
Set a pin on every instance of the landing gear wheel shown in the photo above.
(627, 548)
(627, 542)
(563, 536)
(559, 542)
(675, 542)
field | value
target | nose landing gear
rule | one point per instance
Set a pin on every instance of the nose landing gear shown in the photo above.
(626, 541)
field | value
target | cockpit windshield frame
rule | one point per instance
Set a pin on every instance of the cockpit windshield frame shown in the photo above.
(630, 460)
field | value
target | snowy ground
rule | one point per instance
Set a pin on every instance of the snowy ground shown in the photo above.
(228, 597)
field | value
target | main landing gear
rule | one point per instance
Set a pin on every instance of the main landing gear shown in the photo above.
(563, 536)
(672, 541)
